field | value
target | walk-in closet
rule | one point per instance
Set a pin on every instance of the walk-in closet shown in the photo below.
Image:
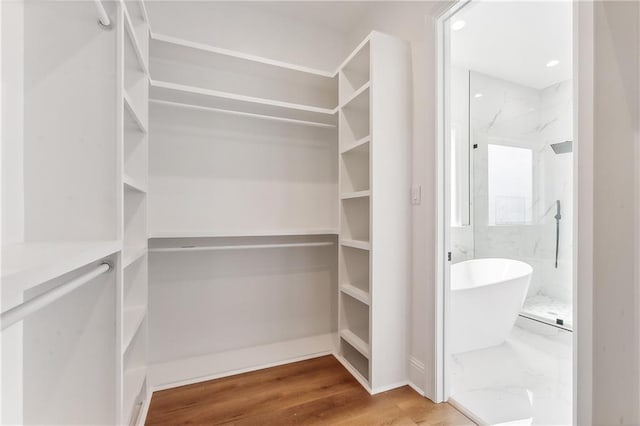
(180, 208)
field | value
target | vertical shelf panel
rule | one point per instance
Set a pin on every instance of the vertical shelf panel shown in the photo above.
(133, 135)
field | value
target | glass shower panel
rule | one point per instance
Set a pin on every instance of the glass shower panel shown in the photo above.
(518, 182)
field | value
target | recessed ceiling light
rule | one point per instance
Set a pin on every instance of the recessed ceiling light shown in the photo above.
(458, 25)
(552, 63)
(478, 95)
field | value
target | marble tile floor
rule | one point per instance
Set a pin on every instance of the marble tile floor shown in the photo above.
(525, 381)
(548, 309)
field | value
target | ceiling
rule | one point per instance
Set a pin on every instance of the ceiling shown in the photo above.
(515, 40)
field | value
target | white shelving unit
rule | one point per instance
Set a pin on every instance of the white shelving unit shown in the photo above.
(265, 183)
(374, 215)
(59, 215)
(243, 194)
(272, 126)
(133, 36)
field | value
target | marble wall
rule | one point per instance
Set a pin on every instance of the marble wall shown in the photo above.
(509, 114)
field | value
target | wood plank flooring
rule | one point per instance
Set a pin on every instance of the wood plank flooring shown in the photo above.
(319, 391)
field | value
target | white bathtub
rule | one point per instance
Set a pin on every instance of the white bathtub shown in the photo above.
(486, 297)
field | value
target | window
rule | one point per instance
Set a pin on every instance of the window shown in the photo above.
(510, 184)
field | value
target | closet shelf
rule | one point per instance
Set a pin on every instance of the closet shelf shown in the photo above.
(132, 319)
(356, 293)
(163, 49)
(134, 184)
(356, 194)
(245, 114)
(198, 96)
(355, 341)
(214, 234)
(130, 31)
(132, 254)
(362, 245)
(30, 264)
(240, 247)
(357, 146)
(355, 98)
(132, 112)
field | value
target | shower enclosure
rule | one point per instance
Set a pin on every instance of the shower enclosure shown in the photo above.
(512, 185)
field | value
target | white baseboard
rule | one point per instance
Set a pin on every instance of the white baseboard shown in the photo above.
(477, 420)
(213, 366)
(389, 387)
(416, 375)
(142, 415)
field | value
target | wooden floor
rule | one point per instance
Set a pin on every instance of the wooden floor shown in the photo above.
(317, 391)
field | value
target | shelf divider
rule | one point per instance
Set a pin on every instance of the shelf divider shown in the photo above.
(362, 245)
(356, 293)
(355, 341)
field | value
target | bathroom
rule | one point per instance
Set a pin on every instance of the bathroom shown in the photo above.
(509, 138)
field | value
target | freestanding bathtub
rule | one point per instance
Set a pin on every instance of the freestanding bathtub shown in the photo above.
(486, 297)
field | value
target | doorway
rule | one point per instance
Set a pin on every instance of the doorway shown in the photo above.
(507, 170)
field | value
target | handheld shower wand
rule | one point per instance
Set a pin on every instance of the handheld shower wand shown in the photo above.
(558, 216)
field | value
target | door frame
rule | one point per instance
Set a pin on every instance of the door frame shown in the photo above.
(583, 92)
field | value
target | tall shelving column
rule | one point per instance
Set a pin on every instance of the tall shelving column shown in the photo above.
(374, 132)
(133, 74)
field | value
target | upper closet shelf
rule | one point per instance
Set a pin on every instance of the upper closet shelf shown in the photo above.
(27, 265)
(137, 47)
(356, 94)
(244, 114)
(167, 46)
(201, 97)
(276, 233)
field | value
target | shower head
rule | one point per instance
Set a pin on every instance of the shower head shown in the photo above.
(562, 147)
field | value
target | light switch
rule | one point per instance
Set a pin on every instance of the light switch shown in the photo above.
(416, 194)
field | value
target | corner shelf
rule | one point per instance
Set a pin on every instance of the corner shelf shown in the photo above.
(355, 341)
(131, 110)
(355, 194)
(134, 184)
(362, 245)
(355, 96)
(131, 255)
(134, 41)
(132, 320)
(356, 293)
(356, 146)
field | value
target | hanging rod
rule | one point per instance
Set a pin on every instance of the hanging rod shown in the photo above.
(239, 247)
(243, 114)
(103, 18)
(20, 312)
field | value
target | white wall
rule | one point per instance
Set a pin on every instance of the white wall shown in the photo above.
(12, 122)
(616, 312)
(250, 28)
